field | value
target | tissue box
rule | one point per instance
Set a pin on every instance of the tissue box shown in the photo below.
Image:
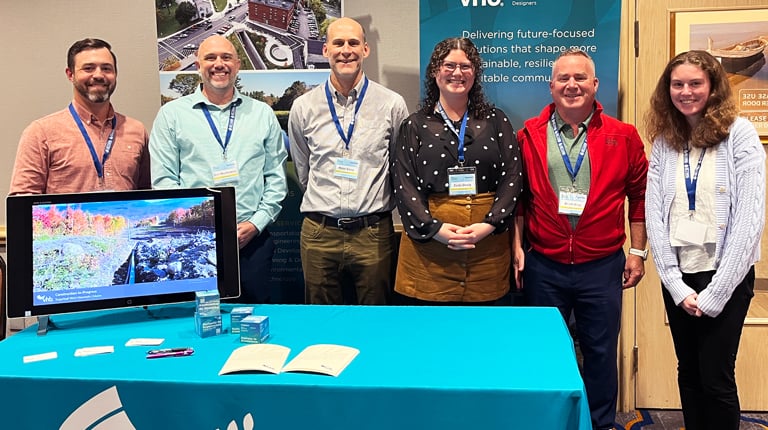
(207, 325)
(254, 329)
(208, 302)
(236, 316)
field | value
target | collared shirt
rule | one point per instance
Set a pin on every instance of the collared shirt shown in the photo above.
(696, 258)
(558, 173)
(184, 151)
(316, 145)
(53, 157)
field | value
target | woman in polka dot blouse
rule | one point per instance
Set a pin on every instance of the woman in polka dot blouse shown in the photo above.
(457, 176)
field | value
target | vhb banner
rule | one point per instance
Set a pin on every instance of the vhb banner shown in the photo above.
(519, 40)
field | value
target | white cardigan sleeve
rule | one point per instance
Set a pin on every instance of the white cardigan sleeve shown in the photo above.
(741, 217)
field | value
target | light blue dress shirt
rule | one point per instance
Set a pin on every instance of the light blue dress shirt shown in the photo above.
(184, 152)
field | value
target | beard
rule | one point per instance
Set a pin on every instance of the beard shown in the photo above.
(209, 81)
(96, 93)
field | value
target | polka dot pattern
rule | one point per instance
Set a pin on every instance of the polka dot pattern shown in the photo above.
(426, 147)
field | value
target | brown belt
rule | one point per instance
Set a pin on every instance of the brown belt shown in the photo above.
(349, 223)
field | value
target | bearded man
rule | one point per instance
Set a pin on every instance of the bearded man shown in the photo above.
(87, 146)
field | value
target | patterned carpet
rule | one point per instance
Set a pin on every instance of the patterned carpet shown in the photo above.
(653, 419)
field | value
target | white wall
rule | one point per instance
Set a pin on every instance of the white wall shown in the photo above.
(37, 35)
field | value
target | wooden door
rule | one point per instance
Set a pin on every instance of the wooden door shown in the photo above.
(647, 359)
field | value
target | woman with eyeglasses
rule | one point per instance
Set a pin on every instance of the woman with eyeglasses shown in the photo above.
(457, 177)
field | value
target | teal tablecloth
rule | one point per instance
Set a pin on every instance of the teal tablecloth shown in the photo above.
(418, 368)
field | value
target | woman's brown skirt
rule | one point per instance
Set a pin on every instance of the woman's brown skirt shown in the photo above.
(430, 271)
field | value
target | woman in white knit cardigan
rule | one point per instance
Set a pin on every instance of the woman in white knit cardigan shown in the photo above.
(705, 210)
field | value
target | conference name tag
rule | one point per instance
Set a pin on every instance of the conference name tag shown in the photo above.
(462, 181)
(226, 173)
(572, 201)
(347, 168)
(690, 231)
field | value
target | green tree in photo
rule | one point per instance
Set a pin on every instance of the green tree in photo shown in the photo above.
(323, 28)
(291, 93)
(185, 12)
(185, 83)
(164, 4)
(318, 9)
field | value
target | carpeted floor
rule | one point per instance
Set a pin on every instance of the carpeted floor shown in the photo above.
(655, 419)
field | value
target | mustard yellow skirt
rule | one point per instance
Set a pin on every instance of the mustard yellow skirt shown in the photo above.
(430, 271)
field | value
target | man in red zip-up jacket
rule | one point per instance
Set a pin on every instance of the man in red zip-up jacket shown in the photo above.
(581, 166)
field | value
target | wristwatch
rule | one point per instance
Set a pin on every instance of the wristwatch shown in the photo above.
(642, 253)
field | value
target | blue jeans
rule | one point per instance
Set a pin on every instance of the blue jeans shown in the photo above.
(706, 355)
(593, 292)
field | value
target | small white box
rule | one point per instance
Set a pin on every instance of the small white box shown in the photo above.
(254, 329)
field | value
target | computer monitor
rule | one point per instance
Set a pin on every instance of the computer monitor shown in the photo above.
(90, 251)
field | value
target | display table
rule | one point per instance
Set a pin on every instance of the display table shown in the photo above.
(418, 368)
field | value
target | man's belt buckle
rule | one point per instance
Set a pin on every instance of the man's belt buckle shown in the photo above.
(346, 223)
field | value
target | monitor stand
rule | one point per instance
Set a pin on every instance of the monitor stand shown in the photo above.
(43, 324)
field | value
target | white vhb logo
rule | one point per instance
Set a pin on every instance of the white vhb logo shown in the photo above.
(104, 411)
(491, 3)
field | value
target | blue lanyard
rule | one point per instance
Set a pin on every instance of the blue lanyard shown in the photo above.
(230, 125)
(460, 134)
(107, 149)
(348, 136)
(690, 182)
(573, 171)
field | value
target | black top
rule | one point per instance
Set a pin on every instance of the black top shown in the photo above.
(426, 148)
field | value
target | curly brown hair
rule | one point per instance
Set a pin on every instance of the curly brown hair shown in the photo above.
(479, 107)
(665, 121)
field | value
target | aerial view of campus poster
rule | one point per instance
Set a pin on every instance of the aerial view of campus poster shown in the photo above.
(268, 34)
(103, 250)
(279, 42)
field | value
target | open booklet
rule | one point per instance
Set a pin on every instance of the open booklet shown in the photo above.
(265, 357)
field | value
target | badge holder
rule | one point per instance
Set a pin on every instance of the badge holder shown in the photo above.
(462, 181)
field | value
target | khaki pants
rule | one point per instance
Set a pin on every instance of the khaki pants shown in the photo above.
(329, 255)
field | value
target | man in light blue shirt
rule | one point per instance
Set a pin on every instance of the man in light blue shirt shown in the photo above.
(219, 137)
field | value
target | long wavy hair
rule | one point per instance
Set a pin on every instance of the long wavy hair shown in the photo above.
(479, 107)
(665, 121)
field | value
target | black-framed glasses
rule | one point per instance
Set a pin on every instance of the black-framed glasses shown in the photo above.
(451, 67)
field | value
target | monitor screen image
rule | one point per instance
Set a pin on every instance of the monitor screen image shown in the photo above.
(77, 252)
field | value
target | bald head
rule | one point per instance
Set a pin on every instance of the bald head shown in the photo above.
(215, 42)
(348, 24)
(218, 64)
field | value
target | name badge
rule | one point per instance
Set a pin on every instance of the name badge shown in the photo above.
(690, 231)
(226, 173)
(347, 168)
(572, 201)
(462, 181)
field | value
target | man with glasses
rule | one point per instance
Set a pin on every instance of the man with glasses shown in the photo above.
(340, 133)
(219, 137)
(581, 167)
(87, 146)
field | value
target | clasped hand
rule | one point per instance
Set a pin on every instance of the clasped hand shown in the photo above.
(459, 238)
(691, 306)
